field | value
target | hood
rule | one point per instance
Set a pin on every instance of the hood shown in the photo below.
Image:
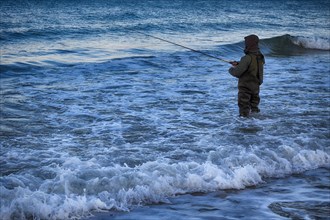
(251, 44)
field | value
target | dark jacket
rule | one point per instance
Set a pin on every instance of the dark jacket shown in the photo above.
(250, 69)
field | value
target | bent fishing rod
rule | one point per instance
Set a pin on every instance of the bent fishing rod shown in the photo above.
(188, 48)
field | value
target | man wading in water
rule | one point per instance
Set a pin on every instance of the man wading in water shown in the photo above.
(249, 71)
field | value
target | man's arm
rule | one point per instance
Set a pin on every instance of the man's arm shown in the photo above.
(242, 66)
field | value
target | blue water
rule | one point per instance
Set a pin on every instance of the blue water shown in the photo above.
(98, 117)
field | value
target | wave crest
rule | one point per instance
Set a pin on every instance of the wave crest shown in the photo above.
(287, 45)
(82, 187)
(317, 43)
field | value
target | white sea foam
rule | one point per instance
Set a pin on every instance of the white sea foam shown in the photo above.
(81, 187)
(318, 43)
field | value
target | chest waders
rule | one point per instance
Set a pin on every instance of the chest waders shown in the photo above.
(248, 89)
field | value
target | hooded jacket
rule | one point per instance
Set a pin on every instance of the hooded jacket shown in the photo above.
(250, 68)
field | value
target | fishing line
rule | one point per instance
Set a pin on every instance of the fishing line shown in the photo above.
(188, 48)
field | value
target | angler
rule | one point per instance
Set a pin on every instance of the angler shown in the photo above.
(249, 71)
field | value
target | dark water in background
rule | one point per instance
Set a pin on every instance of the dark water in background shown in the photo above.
(98, 117)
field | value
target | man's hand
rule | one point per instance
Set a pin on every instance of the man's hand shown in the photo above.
(234, 63)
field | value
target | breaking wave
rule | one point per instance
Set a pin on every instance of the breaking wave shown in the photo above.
(76, 188)
(317, 43)
(294, 45)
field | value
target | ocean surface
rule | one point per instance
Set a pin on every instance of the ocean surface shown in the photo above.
(99, 120)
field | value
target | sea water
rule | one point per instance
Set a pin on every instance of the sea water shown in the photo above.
(97, 117)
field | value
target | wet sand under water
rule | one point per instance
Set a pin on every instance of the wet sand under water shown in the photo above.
(300, 196)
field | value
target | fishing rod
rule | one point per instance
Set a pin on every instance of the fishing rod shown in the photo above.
(188, 48)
